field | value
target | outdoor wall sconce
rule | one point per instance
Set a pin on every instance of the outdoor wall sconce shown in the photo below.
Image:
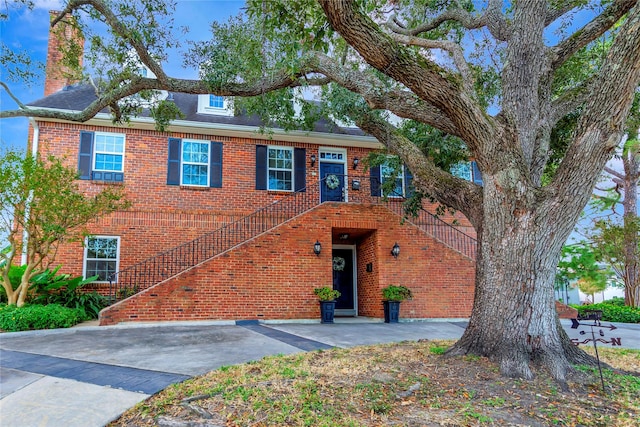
(317, 247)
(313, 159)
(395, 251)
(355, 162)
(355, 184)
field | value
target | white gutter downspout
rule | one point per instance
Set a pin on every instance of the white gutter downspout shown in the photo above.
(34, 153)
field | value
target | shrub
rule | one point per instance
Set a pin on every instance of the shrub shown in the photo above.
(396, 293)
(613, 312)
(325, 293)
(65, 290)
(30, 317)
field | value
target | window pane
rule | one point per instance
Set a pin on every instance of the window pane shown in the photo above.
(194, 174)
(108, 162)
(102, 269)
(216, 101)
(462, 170)
(101, 247)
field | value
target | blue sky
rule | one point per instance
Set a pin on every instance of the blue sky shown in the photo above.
(29, 30)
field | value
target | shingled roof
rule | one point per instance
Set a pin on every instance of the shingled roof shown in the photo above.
(78, 97)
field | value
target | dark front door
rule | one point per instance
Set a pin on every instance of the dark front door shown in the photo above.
(332, 188)
(343, 279)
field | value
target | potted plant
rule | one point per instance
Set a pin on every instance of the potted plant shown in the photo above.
(327, 297)
(392, 296)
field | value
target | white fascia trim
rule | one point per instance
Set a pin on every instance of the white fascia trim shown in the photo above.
(240, 131)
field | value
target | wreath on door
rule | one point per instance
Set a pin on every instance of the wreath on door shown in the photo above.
(332, 182)
(338, 263)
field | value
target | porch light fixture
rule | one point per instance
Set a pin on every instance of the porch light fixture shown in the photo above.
(355, 162)
(313, 159)
(317, 247)
(395, 251)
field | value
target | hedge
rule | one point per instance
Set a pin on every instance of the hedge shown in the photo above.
(613, 311)
(31, 317)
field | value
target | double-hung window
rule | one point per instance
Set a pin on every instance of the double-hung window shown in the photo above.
(392, 179)
(195, 163)
(280, 168)
(387, 173)
(108, 152)
(101, 156)
(101, 257)
(468, 171)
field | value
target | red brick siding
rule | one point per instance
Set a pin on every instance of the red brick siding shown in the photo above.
(273, 276)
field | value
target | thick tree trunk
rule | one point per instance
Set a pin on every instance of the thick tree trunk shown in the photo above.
(631, 239)
(514, 320)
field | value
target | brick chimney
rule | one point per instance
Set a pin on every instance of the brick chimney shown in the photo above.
(59, 71)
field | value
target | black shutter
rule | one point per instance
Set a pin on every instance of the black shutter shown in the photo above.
(261, 167)
(375, 180)
(477, 175)
(300, 167)
(173, 165)
(408, 183)
(216, 165)
(85, 157)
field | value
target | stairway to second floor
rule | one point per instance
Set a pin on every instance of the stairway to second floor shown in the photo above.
(351, 189)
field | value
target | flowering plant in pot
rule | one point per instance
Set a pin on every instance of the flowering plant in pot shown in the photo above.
(327, 297)
(392, 296)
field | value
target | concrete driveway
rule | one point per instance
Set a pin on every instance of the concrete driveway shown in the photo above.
(88, 376)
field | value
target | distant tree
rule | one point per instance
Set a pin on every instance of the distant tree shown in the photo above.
(41, 206)
(580, 264)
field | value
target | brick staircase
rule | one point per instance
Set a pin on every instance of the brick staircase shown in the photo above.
(173, 262)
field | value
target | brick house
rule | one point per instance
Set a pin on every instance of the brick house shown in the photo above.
(226, 222)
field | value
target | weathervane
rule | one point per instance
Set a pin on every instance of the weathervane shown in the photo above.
(596, 316)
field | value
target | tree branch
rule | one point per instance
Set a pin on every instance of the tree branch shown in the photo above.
(15, 98)
(453, 48)
(614, 172)
(492, 18)
(121, 30)
(426, 79)
(560, 9)
(590, 32)
(449, 190)
(400, 102)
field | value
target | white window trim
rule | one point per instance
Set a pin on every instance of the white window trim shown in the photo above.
(84, 259)
(96, 152)
(330, 150)
(382, 179)
(204, 108)
(468, 163)
(292, 170)
(182, 162)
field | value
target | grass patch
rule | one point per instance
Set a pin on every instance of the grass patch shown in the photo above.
(407, 383)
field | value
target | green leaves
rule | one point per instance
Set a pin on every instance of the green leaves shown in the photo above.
(42, 197)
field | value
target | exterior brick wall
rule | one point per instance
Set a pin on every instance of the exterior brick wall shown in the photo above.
(273, 275)
(163, 216)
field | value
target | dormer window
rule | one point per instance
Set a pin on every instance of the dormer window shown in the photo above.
(215, 105)
(216, 101)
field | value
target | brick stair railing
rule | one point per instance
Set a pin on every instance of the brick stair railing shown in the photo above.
(172, 262)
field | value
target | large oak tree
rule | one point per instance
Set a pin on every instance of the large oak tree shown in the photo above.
(485, 72)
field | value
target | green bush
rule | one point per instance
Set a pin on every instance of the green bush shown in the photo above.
(612, 312)
(31, 317)
(52, 288)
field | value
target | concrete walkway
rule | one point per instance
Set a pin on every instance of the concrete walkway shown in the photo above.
(88, 376)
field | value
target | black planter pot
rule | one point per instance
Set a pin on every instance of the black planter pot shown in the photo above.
(327, 311)
(391, 311)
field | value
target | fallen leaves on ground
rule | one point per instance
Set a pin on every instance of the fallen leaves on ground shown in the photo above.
(403, 384)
